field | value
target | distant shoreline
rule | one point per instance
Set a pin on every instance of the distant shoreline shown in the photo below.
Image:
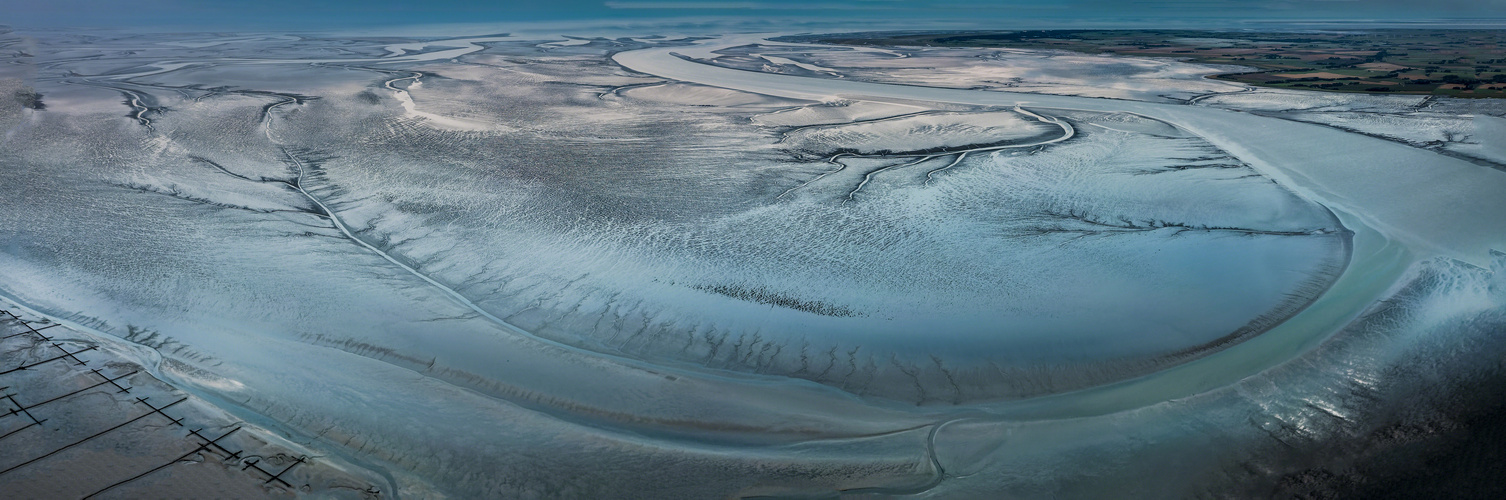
(1452, 63)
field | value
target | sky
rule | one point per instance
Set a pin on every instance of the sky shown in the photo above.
(305, 14)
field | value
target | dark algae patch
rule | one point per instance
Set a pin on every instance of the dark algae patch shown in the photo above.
(763, 295)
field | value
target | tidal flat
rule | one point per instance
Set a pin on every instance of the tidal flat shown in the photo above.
(653, 265)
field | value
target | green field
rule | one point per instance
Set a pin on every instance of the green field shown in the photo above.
(1458, 63)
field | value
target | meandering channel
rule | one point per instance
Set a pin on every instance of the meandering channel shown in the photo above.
(1403, 204)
